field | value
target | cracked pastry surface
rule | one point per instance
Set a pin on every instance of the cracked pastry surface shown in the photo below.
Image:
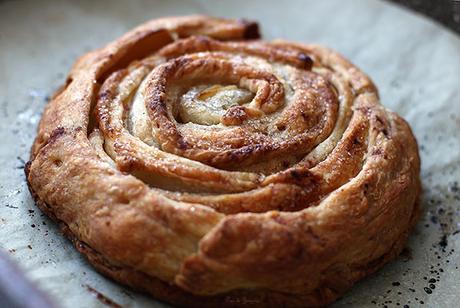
(196, 162)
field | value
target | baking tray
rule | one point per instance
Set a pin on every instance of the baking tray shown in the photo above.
(414, 62)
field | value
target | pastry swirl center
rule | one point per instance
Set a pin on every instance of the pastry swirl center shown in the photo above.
(207, 104)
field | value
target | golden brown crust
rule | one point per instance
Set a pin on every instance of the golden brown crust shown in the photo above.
(218, 170)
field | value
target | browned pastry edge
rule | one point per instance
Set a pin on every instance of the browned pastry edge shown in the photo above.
(238, 298)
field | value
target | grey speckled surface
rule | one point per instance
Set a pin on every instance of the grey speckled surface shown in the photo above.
(414, 62)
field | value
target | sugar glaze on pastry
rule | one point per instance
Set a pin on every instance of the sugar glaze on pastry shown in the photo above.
(194, 161)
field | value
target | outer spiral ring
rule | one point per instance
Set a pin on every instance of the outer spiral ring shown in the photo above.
(286, 199)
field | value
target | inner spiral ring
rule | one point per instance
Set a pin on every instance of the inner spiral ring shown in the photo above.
(261, 127)
(275, 143)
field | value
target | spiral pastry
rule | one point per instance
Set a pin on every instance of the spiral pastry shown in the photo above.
(195, 162)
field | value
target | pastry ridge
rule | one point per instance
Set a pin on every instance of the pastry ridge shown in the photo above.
(194, 161)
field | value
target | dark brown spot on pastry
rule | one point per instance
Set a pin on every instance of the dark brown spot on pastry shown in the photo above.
(54, 136)
(234, 116)
(307, 61)
(251, 30)
(57, 162)
(281, 127)
(356, 141)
